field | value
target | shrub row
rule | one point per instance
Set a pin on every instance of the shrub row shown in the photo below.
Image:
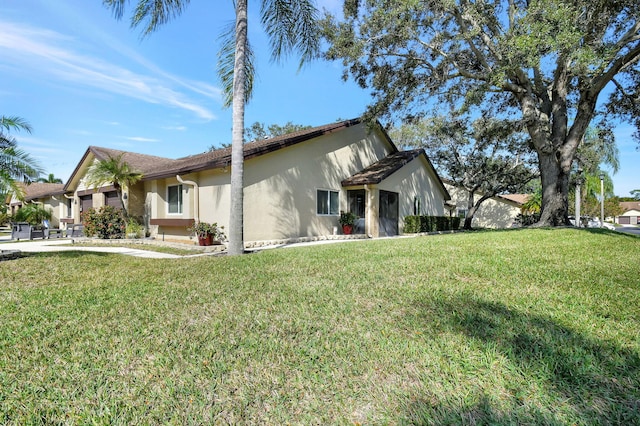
(415, 224)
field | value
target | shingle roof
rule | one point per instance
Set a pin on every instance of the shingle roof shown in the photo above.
(382, 169)
(222, 157)
(142, 163)
(41, 189)
(630, 205)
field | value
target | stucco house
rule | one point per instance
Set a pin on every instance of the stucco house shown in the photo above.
(496, 212)
(295, 185)
(631, 213)
(51, 196)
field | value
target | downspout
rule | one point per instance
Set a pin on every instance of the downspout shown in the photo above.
(196, 197)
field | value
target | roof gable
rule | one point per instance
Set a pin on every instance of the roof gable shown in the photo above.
(380, 170)
(141, 163)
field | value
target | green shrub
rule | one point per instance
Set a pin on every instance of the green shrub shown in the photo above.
(32, 213)
(135, 229)
(4, 218)
(104, 222)
(415, 224)
(527, 219)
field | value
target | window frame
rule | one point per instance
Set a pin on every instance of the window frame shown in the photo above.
(336, 211)
(180, 200)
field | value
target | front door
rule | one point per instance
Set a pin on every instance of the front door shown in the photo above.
(356, 201)
(86, 202)
(388, 215)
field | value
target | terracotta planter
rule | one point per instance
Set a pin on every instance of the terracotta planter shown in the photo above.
(205, 241)
(347, 229)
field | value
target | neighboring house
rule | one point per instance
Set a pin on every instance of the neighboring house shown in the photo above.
(295, 185)
(50, 196)
(631, 213)
(496, 212)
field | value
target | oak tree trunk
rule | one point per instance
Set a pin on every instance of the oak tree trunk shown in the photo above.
(555, 186)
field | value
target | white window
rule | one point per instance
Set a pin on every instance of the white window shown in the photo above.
(174, 199)
(462, 213)
(328, 202)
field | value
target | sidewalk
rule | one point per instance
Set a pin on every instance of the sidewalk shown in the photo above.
(63, 244)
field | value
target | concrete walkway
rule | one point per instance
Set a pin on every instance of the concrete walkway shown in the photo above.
(40, 246)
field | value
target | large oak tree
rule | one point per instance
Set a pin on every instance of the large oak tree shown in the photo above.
(485, 157)
(548, 60)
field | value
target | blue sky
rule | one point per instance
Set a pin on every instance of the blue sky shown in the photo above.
(81, 78)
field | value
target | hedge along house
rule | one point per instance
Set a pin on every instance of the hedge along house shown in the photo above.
(295, 185)
(49, 196)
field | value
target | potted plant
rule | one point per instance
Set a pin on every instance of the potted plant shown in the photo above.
(347, 219)
(207, 233)
(202, 230)
(217, 234)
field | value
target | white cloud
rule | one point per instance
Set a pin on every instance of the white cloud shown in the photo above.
(140, 139)
(178, 128)
(44, 51)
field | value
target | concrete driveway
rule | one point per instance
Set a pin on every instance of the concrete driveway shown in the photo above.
(39, 246)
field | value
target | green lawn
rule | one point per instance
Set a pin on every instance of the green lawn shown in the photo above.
(513, 327)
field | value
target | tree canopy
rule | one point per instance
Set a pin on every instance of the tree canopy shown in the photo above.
(485, 157)
(545, 61)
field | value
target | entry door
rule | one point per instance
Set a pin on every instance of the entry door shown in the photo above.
(388, 213)
(356, 201)
(86, 202)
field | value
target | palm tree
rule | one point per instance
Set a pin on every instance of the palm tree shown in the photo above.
(291, 26)
(16, 166)
(50, 179)
(116, 172)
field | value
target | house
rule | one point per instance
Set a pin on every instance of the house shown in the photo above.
(295, 185)
(496, 212)
(51, 196)
(631, 213)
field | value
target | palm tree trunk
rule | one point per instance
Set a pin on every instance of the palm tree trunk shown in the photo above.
(236, 240)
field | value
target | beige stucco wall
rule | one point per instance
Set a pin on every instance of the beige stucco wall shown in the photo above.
(493, 213)
(281, 187)
(280, 195)
(416, 179)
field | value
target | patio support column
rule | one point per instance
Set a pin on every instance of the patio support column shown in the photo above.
(372, 210)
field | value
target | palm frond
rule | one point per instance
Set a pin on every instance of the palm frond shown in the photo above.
(226, 65)
(19, 165)
(14, 123)
(150, 14)
(292, 26)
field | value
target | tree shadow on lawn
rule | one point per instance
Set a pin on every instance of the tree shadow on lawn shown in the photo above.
(573, 378)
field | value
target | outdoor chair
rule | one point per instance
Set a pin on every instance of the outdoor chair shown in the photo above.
(50, 232)
(75, 230)
(25, 231)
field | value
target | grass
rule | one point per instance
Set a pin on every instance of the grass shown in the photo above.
(514, 327)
